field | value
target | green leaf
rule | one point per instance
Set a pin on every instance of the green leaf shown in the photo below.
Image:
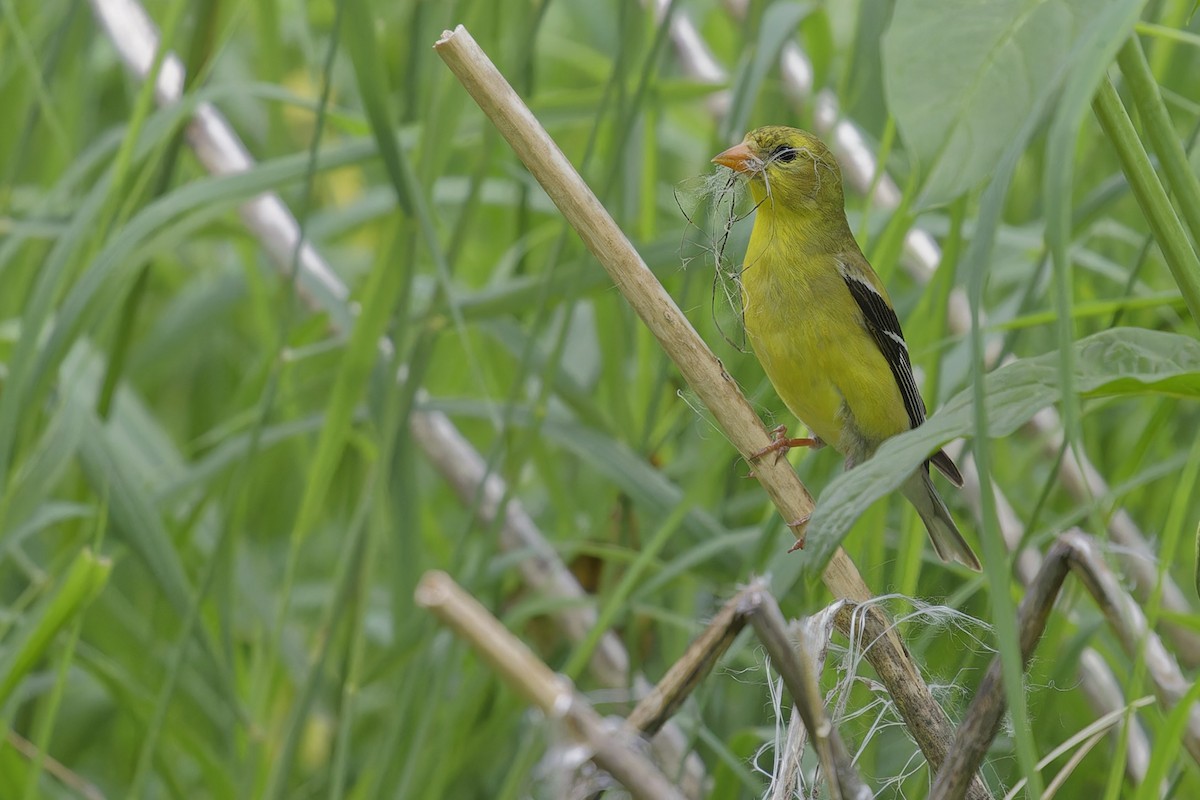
(41, 473)
(354, 370)
(1196, 579)
(24, 647)
(1085, 74)
(371, 72)
(962, 82)
(612, 458)
(36, 357)
(1122, 361)
(1164, 756)
(779, 23)
(1151, 195)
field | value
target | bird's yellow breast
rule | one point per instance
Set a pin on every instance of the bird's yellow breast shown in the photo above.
(807, 332)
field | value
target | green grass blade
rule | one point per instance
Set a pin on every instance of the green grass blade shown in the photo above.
(1179, 174)
(1168, 231)
(25, 645)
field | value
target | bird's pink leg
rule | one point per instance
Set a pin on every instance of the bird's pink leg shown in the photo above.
(780, 444)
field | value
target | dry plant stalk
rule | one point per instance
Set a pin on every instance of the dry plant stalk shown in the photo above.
(1126, 619)
(466, 471)
(925, 720)
(699, 366)
(755, 604)
(983, 718)
(1096, 678)
(800, 678)
(461, 466)
(815, 633)
(1134, 553)
(537, 683)
(1077, 552)
(665, 698)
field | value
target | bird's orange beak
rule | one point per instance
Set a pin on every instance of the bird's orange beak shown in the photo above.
(739, 158)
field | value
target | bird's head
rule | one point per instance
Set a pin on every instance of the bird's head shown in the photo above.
(788, 168)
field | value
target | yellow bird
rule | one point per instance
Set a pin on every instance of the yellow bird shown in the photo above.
(820, 320)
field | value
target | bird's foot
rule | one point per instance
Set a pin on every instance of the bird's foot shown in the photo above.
(798, 529)
(781, 444)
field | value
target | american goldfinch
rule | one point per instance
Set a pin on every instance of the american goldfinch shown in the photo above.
(820, 320)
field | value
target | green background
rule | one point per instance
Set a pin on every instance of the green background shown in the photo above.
(213, 514)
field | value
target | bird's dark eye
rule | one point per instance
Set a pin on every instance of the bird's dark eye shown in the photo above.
(784, 154)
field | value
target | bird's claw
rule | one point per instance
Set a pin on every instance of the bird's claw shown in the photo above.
(781, 444)
(798, 528)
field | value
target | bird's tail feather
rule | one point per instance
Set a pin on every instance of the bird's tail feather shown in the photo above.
(947, 541)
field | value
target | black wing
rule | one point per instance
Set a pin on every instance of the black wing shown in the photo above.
(884, 327)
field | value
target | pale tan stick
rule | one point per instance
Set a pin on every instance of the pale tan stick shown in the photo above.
(692, 357)
(1139, 561)
(517, 666)
(662, 701)
(461, 466)
(756, 605)
(697, 62)
(466, 471)
(215, 144)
